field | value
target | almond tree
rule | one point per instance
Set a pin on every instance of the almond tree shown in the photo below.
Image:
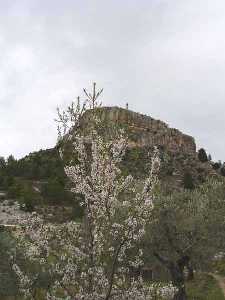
(94, 259)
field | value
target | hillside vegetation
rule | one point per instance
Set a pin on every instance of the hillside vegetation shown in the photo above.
(182, 232)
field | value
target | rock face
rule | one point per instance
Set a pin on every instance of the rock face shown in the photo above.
(146, 131)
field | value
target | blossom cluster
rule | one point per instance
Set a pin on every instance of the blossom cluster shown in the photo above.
(92, 260)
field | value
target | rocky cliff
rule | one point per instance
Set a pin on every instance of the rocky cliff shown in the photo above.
(146, 131)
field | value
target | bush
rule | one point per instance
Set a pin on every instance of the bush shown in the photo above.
(54, 191)
(8, 286)
(222, 170)
(216, 165)
(29, 198)
(188, 181)
(202, 156)
(7, 181)
(14, 191)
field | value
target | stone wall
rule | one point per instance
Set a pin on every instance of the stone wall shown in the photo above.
(146, 131)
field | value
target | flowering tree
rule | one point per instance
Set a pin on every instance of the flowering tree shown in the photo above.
(93, 260)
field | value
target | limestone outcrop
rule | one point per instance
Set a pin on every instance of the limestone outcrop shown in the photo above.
(146, 131)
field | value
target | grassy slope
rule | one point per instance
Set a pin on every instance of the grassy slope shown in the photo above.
(204, 287)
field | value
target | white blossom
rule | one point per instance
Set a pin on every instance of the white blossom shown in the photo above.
(91, 261)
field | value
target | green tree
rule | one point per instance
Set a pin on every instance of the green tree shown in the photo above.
(15, 190)
(186, 230)
(54, 190)
(12, 166)
(2, 163)
(217, 165)
(202, 156)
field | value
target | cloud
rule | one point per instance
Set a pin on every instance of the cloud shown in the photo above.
(166, 58)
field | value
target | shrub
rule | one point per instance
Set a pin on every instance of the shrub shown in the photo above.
(28, 199)
(54, 191)
(188, 181)
(14, 191)
(222, 170)
(202, 156)
(216, 165)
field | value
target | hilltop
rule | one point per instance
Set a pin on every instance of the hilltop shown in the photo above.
(180, 166)
(144, 131)
(39, 177)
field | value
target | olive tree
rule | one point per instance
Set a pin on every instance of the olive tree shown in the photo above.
(186, 230)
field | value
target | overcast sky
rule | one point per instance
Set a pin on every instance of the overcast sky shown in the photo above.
(165, 58)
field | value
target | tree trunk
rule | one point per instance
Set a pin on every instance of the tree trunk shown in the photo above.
(176, 270)
(177, 276)
(181, 294)
(190, 275)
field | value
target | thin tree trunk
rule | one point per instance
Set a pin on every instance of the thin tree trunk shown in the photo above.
(176, 270)
(181, 294)
(190, 275)
(178, 280)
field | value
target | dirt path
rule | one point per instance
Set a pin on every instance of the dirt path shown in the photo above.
(221, 282)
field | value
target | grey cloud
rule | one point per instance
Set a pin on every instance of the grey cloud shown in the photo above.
(166, 58)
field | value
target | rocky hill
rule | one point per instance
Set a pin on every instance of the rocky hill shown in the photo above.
(38, 181)
(40, 175)
(146, 131)
(180, 166)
